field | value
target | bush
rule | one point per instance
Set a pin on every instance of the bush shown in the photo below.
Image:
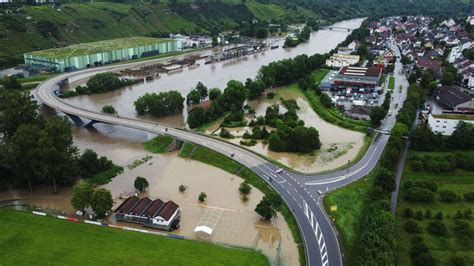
(417, 166)
(439, 216)
(248, 143)
(419, 215)
(407, 213)
(202, 197)
(462, 230)
(437, 228)
(448, 196)
(469, 197)
(412, 227)
(108, 109)
(182, 188)
(245, 188)
(225, 134)
(417, 194)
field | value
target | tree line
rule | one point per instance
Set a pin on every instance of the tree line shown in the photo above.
(37, 151)
(100, 83)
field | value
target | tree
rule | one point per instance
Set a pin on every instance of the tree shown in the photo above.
(23, 154)
(412, 78)
(377, 115)
(411, 226)
(214, 93)
(193, 97)
(325, 100)
(102, 202)
(202, 90)
(255, 88)
(182, 188)
(82, 195)
(196, 117)
(245, 188)
(161, 104)
(448, 196)
(437, 227)
(463, 136)
(58, 154)
(140, 184)
(234, 94)
(399, 130)
(103, 82)
(458, 260)
(385, 179)
(214, 41)
(469, 197)
(202, 197)
(265, 208)
(18, 109)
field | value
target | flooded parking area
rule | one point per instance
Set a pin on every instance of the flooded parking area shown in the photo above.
(339, 145)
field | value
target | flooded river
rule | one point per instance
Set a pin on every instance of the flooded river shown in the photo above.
(212, 75)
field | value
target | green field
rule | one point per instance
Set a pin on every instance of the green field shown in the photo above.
(391, 83)
(223, 162)
(100, 46)
(442, 247)
(350, 202)
(158, 144)
(27, 239)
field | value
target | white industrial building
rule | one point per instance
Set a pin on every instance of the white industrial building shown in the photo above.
(342, 60)
(447, 123)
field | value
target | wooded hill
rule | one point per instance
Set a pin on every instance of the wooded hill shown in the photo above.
(29, 28)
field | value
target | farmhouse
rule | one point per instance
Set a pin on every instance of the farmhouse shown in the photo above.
(103, 52)
(360, 77)
(151, 213)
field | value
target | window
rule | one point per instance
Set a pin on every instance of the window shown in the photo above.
(445, 122)
(444, 126)
(437, 121)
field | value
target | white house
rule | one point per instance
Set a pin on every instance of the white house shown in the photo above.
(447, 123)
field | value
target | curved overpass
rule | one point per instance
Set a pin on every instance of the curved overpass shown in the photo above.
(302, 193)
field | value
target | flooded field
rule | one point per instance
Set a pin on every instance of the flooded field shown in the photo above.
(237, 222)
(339, 145)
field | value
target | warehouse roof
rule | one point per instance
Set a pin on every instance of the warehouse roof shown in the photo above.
(98, 47)
(453, 95)
(361, 71)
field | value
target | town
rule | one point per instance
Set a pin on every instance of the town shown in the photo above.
(237, 133)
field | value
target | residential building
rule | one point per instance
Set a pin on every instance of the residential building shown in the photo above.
(156, 213)
(453, 97)
(447, 123)
(342, 60)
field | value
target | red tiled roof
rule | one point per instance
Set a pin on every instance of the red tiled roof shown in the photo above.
(127, 204)
(153, 208)
(168, 210)
(140, 206)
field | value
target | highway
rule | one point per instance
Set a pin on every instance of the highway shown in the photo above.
(302, 193)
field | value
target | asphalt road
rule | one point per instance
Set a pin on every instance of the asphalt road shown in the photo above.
(302, 193)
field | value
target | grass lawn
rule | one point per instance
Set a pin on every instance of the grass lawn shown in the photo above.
(265, 11)
(442, 248)
(349, 202)
(382, 79)
(391, 83)
(36, 78)
(158, 144)
(105, 177)
(35, 240)
(319, 74)
(223, 162)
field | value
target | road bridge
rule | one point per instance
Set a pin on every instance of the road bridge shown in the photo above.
(303, 193)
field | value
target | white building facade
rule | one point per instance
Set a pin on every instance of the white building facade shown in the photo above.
(446, 124)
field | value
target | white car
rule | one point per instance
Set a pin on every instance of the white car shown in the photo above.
(279, 170)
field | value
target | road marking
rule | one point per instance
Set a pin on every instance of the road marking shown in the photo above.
(317, 233)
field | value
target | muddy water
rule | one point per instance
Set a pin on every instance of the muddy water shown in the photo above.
(212, 75)
(339, 145)
(236, 222)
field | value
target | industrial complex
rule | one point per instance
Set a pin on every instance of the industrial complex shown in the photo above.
(103, 52)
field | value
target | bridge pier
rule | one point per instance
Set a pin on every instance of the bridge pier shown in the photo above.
(91, 123)
(76, 119)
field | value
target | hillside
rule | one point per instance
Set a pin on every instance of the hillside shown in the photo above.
(31, 28)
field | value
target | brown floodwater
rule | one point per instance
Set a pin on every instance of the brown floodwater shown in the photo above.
(212, 75)
(234, 220)
(339, 145)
